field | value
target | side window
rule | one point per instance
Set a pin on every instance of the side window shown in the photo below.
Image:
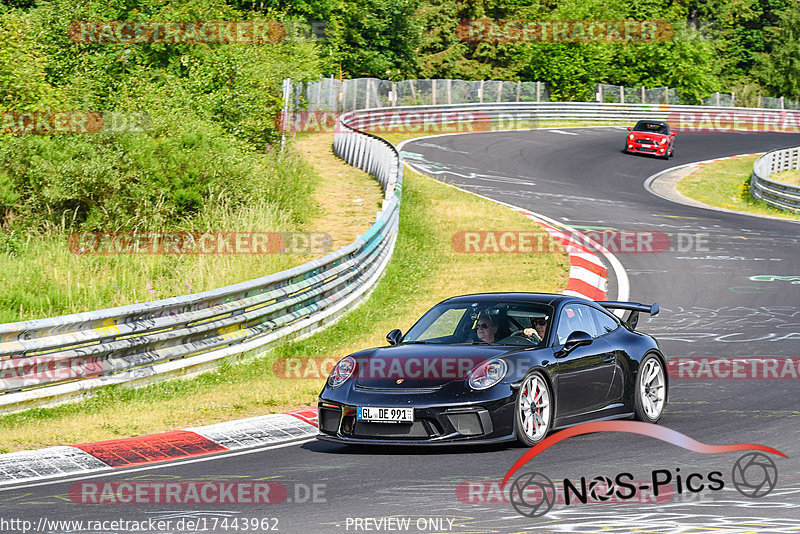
(575, 317)
(605, 324)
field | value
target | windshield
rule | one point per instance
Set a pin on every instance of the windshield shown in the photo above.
(651, 127)
(504, 323)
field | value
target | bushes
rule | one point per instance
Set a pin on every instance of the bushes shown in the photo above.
(211, 125)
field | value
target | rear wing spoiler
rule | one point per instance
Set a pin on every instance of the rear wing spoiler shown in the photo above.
(633, 307)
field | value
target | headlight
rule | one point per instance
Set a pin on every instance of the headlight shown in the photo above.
(664, 140)
(630, 136)
(341, 372)
(487, 374)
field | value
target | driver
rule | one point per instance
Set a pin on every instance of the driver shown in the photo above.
(537, 332)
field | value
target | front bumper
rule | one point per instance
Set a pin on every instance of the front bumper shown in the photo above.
(641, 148)
(486, 420)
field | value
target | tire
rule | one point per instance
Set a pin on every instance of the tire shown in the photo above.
(650, 397)
(532, 425)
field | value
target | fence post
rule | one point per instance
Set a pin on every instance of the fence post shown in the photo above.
(538, 91)
(600, 92)
(434, 98)
(519, 88)
(500, 92)
(480, 92)
(621, 94)
(449, 91)
(781, 102)
(287, 88)
(759, 101)
(643, 97)
(666, 96)
(733, 99)
(394, 94)
(717, 98)
(413, 92)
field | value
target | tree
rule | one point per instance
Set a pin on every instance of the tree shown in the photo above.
(780, 68)
(375, 38)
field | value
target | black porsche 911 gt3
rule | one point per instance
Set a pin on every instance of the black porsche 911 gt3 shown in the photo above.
(497, 367)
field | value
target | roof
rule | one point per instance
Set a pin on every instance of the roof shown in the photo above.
(541, 298)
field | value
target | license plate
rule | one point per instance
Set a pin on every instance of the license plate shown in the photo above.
(385, 415)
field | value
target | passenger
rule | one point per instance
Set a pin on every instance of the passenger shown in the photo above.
(487, 330)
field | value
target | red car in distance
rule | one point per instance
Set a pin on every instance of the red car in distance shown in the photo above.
(650, 137)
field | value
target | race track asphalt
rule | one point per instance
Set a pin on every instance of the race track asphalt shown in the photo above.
(710, 308)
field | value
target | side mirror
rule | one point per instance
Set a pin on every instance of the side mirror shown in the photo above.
(630, 128)
(672, 134)
(394, 336)
(576, 339)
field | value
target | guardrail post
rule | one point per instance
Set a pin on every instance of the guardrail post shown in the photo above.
(287, 89)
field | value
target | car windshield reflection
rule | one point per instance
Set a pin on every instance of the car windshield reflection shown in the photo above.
(483, 322)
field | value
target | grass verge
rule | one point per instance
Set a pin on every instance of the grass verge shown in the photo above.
(787, 177)
(726, 184)
(41, 277)
(424, 270)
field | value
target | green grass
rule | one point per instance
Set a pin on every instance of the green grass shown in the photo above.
(424, 270)
(787, 177)
(726, 184)
(42, 277)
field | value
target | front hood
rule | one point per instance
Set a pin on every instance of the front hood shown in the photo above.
(422, 366)
(649, 137)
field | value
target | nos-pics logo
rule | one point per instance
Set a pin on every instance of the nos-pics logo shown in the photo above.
(533, 494)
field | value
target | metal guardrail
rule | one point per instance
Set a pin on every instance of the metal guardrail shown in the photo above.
(62, 357)
(464, 117)
(776, 194)
(58, 358)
